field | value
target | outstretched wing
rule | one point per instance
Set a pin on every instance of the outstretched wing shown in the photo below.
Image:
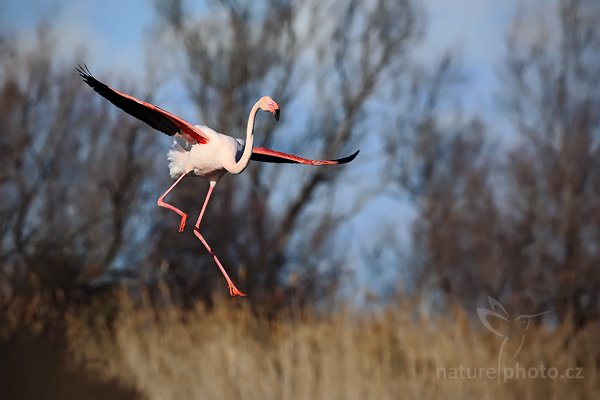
(263, 154)
(154, 116)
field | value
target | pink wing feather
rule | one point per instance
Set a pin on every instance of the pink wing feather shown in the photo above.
(262, 154)
(154, 116)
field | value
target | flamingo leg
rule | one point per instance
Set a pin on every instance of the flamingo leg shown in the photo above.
(233, 291)
(161, 203)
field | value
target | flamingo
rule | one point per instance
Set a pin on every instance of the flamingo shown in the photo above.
(211, 154)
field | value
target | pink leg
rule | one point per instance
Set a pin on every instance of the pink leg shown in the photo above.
(233, 291)
(161, 203)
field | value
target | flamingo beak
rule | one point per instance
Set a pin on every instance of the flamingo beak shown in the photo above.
(274, 108)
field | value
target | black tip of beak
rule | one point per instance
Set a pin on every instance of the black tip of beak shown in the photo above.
(276, 114)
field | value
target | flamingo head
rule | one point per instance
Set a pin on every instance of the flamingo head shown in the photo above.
(269, 105)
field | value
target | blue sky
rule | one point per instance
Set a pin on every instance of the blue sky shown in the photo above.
(475, 28)
(114, 32)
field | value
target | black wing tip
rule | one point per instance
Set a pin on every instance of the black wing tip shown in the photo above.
(85, 73)
(348, 158)
(83, 70)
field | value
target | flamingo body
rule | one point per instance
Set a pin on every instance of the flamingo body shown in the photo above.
(210, 160)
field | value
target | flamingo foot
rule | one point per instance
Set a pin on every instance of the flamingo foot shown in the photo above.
(182, 224)
(233, 291)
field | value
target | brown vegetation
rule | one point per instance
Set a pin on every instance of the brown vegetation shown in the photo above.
(398, 353)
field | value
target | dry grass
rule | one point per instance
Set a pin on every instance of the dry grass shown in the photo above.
(230, 353)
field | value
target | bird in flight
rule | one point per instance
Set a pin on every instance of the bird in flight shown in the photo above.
(211, 154)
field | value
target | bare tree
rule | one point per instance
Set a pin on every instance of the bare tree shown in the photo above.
(519, 225)
(71, 181)
(553, 98)
(322, 72)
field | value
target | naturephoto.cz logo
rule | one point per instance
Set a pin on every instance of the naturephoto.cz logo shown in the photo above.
(512, 331)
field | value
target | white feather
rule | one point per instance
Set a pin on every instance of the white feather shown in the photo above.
(177, 157)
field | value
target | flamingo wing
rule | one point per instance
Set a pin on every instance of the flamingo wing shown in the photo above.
(154, 116)
(263, 154)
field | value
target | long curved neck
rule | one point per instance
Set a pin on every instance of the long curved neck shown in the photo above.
(241, 165)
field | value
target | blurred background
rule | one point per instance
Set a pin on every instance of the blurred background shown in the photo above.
(479, 176)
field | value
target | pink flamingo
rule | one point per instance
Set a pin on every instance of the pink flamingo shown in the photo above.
(211, 155)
